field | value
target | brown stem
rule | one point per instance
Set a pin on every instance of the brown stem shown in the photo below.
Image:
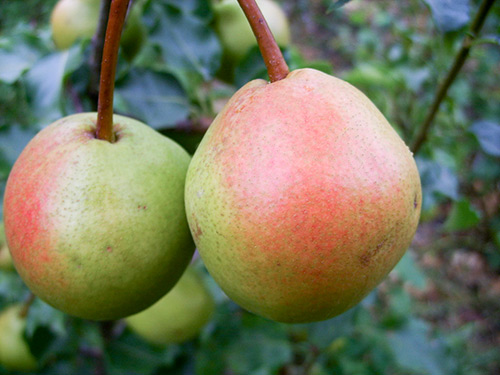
(26, 306)
(96, 53)
(460, 59)
(117, 13)
(273, 58)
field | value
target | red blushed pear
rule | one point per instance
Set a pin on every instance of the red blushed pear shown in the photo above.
(301, 197)
(97, 229)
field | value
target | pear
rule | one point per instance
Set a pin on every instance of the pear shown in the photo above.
(301, 197)
(77, 19)
(15, 354)
(98, 229)
(179, 315)
(5, 258)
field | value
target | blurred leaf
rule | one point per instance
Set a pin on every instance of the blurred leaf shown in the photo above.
(414, 350)
(262, 346)
(437, 179)
(250, 67)
(449, 15)
(45, 84)
(335, 4)
(374, 75)
(12, 289)
(15, 61)
(408, 270)
(130, 355)
(156, 98)
(13, 140)
(41, 314)
(189, 45)
(488, 135)
(462, 216)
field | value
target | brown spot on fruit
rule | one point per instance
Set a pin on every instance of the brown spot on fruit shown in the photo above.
(366, 258)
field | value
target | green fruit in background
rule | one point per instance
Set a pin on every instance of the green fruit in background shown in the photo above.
(5, 258)
(234, 30)
(15, 354)
(177, 317)
(98, 229)
(76, 19)
(301, 197)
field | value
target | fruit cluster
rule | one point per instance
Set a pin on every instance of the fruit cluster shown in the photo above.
(300, 199)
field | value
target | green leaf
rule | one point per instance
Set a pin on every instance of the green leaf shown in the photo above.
(437, 180)
(258, 349)
(130, 355)
(488, 135)
(189, 45)
(44, 82)
(450, 15)
(335, 4)
(408, 270)
(414, 350)
(14, 62)
(155, 98)
(462, 216)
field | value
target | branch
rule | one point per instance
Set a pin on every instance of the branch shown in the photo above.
(460, 59)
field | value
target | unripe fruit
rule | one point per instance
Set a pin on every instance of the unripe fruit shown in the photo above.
(5, 258)
(15, 354)
(98, 229)
(76, 19)
(178, 316)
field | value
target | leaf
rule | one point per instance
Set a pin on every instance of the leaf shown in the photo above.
(335, 4)
(488, 135)
(45, 82)
(14, 62)
(156, 98)
(189, 45)
(415, 351)
(408, 270)
(462, 216)
(13, 140)
(437, 180)
(256, 349)
(130, 355)
(450, 15)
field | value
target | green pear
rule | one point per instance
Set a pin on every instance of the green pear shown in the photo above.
(235, 33)
(15, 354)
(77, 19)
(98, 229)
(179, 315)
(301, 197)
(5, 258)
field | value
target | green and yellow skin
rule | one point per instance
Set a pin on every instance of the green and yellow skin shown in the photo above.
(72, 20)
(5, 258)
(98, 229)
(177, 317)
(301, 197)
(15, 354)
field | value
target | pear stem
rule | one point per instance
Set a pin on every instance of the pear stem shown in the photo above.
(96, 53)
(460, 58)
(117, 14)
(273, 58)
(26, 306)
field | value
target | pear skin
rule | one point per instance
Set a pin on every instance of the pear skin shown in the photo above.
(301, 197)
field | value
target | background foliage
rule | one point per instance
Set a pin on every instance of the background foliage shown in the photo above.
(436, 314)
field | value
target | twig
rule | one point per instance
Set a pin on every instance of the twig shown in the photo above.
(460, 59)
